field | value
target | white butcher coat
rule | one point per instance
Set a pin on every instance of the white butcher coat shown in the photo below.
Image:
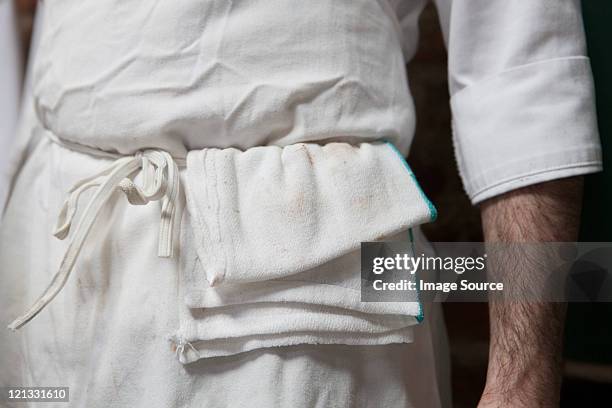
(257, 128)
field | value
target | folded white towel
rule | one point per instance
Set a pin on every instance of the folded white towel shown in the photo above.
(239, 317)
(274, 257)
(271, 211)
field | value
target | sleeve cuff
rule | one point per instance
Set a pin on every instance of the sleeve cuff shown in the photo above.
(527, 125)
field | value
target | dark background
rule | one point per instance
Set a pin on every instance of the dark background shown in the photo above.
(588, 365)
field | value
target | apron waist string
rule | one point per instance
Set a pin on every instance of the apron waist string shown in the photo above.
(160, 183)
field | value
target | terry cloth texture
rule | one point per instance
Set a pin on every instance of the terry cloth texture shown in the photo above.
(277, 233)
(270, 212)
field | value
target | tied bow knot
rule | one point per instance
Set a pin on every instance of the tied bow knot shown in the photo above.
(160, 182)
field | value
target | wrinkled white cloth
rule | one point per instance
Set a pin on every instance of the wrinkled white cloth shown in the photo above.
(183, 76)
(271, 212)
(199, 74)
(321, 305)
(258, 232)
(10, 88)
(522, 93)
(106, 335)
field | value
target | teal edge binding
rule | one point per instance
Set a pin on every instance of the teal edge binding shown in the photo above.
(433, 214)
(420, 316)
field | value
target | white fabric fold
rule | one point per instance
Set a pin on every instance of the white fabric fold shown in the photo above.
(270, 212)
(189, 352)
(275, 257)
(319, 306)
(548, 106)
(522, 94)
(10, 78)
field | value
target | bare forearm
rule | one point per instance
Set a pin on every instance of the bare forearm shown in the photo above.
(526, 337)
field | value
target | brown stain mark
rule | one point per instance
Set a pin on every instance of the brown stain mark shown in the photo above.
(362, 202)
(308, 155)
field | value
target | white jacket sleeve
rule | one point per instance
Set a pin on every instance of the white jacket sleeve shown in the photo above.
(522, 93)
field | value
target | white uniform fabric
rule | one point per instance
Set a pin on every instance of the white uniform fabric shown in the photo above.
(199, 75)
(211, 74)
(10, 88)
(522, 93)
(106, 334)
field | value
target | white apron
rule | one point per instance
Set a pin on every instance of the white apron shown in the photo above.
(257, 305)
(276, 320)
